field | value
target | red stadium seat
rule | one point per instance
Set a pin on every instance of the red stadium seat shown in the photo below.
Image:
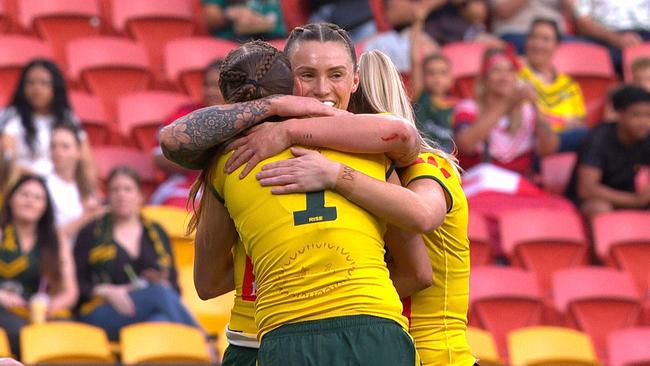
(557, 170)
(140, 115)
(378, 11)
(10, 9)
(5, 18)
(466, 65)
(629, 347)
(90, 111)
(108, 67)
(16, 52)
(186, 58)
(543, 241)
(632, 53)
(481, 246)
(503, 299)
(154, 23)
(294, 12)
(622, 240)
(596, 300)
(108, 157)
(591, 66)
(60, 21)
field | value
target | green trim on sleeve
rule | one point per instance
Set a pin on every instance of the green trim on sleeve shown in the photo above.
(217, 195)
(451, 198)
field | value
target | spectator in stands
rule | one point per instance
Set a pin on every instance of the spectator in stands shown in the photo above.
(175, 190)
(612, 155)
(641, 72)
(615, 24)
(503, 126)
(34, 259)
(431, 81)
(240, 21)
(355, 16)
(461, 21)
(74, 198)
(39, 102)
(511, 19)
(125, 265)
(559, 98)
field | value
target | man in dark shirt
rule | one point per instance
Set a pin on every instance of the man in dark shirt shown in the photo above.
(611, 156)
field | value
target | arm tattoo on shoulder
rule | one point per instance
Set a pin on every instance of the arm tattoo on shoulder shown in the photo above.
(185, 140)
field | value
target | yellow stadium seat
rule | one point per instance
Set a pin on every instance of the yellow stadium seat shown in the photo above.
(550, 346)
(174, 220)
(483, 346)
(162, 343)
(5, 350)
(213, 314)
(64, 343)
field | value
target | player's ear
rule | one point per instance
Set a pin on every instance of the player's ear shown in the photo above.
(355, 81)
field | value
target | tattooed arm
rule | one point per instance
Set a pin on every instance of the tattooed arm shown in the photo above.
(186, 140)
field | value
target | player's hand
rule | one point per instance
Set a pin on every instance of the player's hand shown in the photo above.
(261, 142)
(309, 171)
(295, 106)
(118, 297)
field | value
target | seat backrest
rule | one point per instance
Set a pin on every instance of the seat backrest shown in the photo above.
(478, 228)
(629, 347)
(493, 282)
(98, 52)
(557, 170)
(539, 225)
(550, 345)
(620, 227)
(483, 346)
(632, 53)
(592, 283)
(172, 219)
(124, 11)
(465, 58)
(108, 157)
(92, 114)
(17, 51)
(584, 59)
(147, 108)
(64, 342)
(29, 10)
(162, 343)
(194, 54)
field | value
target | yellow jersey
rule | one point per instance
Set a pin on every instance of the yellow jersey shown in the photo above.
(559, 101)
(438, 315)
(315, 255)
(242, 330)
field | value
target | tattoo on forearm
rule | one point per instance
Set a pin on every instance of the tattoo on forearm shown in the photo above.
(185, 140)
(307, 136)
(348, 173)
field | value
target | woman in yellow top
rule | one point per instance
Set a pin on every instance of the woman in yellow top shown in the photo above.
(438, 314)
(348, 279)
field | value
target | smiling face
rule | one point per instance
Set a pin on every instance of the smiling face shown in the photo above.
(501, 78)
(29, 202)
(540, 45)
(324, 70)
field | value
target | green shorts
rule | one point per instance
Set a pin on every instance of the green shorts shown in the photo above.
(239, 356)
(347, 340)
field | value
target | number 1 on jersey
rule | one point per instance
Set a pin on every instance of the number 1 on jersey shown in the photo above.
(316, 210)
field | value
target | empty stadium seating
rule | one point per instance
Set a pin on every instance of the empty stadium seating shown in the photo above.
(503, 299)
(60, 21)
(162, 343)
(185, 59)
(550, 346)
(483, 346)
(17, 51)
(622, 240)
(92, 114)
(466, 64)
(140, 115)
(174, 220)
(543, 241)
(64, 343)
(557, 170)
(153, 24)
(629, 347)
(481, 246)
(596, 300)
(589, 65)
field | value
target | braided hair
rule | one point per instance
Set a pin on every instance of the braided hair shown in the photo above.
(255, 70)
(321, 32)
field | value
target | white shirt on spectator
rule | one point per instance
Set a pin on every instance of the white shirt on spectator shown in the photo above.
(617, 15)
(38, 161)
(66, 199)
(519, 22)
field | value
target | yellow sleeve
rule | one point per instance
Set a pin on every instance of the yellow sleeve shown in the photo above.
(431, 166)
